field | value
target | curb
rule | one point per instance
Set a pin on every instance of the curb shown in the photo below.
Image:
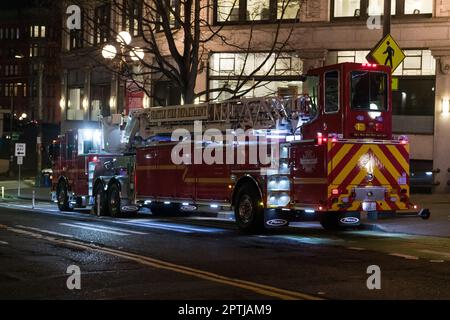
(36, 199)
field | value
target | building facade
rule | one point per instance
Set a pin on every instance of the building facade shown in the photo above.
(316, 33)
(30, 46)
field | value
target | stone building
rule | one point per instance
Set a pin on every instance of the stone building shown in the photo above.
(317, 32)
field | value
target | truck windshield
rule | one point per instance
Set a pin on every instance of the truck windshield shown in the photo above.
(369, 90)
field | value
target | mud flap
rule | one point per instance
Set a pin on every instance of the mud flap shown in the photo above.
(276, 218)
(349, 219)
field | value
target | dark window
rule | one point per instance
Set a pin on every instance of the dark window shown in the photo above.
(369, 91)
(173, 14)
(132, 17)
(414, 96)
(166, 94)
(331, 91)
(242, 11)
(77, 36)
(102, 24)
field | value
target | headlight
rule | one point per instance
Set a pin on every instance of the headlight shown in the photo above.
(284, 167)
(284, 152)
(278, 183)
(278, 199)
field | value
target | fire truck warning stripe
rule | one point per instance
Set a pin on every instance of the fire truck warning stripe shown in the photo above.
(394, 160)
(344, 155)
(341, 160)
(257, 288)
(350, 163)
(398, 157)
(386, 164)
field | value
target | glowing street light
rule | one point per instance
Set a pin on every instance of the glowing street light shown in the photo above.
(109, 52)
(137, 54)
(124, 38)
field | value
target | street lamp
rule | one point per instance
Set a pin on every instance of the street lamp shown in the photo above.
(127, 53)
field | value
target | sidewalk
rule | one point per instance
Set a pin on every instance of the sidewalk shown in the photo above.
(438, 225)
(26, 190)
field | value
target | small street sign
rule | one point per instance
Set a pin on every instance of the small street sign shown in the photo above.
(20, 150)
(387, 52)
(19, 160)
(15, 136)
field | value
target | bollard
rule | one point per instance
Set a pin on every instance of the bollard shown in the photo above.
(98, 204)
(3, 192)
(33, 200)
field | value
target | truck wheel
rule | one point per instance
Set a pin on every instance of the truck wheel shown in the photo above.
(114, 200)
(99, 190)
(249, 215)
(62, 195)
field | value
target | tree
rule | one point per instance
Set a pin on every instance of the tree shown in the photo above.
(177, 35)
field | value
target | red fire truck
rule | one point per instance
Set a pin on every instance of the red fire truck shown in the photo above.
(332, 157)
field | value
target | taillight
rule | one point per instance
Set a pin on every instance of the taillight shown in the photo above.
(378, 127)
(319, 138)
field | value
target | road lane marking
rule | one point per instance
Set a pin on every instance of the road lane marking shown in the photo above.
(170, 226)
(151, 225)
(45, 231)
(258, 288)
(437, 261)
(94, 229)
(4, 242)
(110, 228)
(400, 255)
(356, 248)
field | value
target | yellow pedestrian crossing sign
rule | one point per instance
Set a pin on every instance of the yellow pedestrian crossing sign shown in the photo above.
(387, 53)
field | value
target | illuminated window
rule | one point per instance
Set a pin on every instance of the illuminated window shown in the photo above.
(75, 109)
(418, 6)
(227, 10)
(364, 8)
(236, 72)
(256, 10)
(288, 9)
(347, 8)
(376, 7)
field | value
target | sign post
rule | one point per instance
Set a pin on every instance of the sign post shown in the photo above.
(20, 153)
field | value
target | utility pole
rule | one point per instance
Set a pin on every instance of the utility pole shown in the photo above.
(387, 18)
(39, 119)
(11, 122)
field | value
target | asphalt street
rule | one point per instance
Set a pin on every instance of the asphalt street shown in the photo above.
(146, 257)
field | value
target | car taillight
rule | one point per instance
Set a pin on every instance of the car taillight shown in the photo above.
(378, 127)
(319, 138)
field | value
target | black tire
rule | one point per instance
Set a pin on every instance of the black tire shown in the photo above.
(161, 209)
(99, 189)
(62, 195)
(247, 210)
(114, 200)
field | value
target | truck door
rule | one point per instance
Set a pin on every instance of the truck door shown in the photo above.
(332, 111)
